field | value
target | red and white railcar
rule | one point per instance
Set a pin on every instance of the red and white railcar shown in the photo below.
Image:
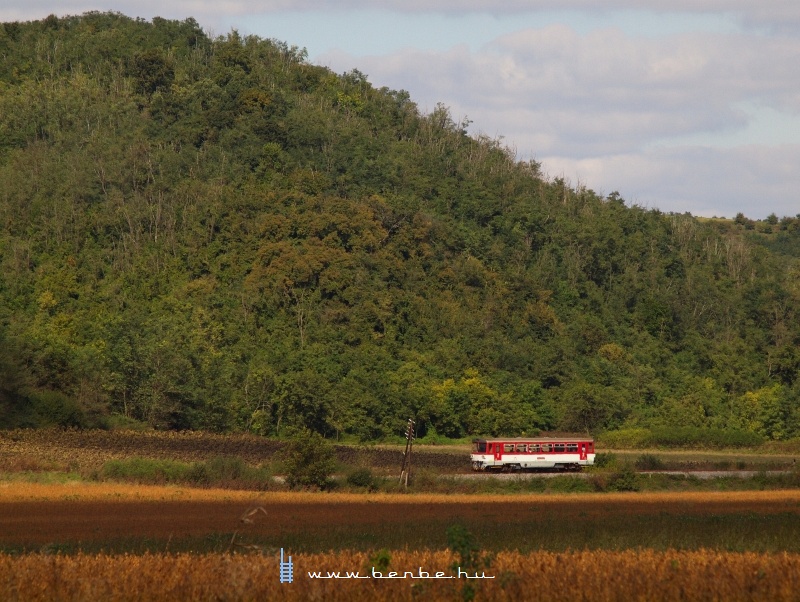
(508, 454)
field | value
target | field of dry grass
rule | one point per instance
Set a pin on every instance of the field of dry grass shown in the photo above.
(752, 501)
(589, 575)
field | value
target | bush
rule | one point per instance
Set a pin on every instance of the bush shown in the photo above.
(361, 477)
(226, 468)
(625, 480)
(308, 460)
(198, 474)
(145, 470)
(118, 422)
(683, 436)
(649, 462)
(605, 460)
(625, 439)
(53, 408)
(699, 437)
(222, 471)
(568, 485)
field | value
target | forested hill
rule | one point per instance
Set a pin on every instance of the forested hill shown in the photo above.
(215, 234)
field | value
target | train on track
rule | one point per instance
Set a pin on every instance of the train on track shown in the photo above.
(532, 453)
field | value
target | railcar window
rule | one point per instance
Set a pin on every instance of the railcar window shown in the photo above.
(521, 448)
(535, 448)
(508, 447)
(480, 447)
(559, 447)
(546, 448)
(572, 447)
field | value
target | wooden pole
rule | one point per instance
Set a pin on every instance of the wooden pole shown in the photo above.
(406, 468)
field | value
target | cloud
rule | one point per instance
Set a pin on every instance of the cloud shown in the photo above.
(754, 179)
(611, 109)
(203, 10)
(776, 15)
(603, 90)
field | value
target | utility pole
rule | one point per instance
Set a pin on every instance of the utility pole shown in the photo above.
(406, 469)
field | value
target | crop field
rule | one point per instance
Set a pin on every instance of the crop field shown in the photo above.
(598, 576)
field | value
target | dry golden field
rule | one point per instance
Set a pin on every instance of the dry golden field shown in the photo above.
(104, 541)
(599, 576)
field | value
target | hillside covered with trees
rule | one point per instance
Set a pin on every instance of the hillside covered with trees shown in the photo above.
(215, 234)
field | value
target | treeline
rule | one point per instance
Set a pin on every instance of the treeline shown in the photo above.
(215, 234)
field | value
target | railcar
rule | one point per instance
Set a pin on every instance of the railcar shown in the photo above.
(530, 453)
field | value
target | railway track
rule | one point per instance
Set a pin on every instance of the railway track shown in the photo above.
(698, 474)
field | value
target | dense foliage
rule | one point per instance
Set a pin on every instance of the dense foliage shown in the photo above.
(215, 234)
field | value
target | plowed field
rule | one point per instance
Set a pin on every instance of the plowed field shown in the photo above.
(91, 448)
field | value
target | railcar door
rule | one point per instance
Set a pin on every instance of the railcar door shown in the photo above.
(498, 452)
(583, 451)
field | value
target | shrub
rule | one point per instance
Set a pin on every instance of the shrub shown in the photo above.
(198, 474)
(568, 485)
(624, 480)
(221, 471)
(361, 477)
(682, 436)
(226, 468)
(53, 408)
(605, 460)
(380, 560)
(699, 437)
(145, 470)
(649, 462)
(625, 439)
(308, 460)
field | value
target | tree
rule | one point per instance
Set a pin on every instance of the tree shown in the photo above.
(151, 71)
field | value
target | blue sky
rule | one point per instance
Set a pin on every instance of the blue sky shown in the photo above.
(687, 105)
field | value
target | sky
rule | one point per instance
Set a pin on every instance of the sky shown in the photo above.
(681, 105)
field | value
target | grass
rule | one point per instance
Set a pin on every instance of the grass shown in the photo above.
(248, 462)
(220, 471)
(233, 473)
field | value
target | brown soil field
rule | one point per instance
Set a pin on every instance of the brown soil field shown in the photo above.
(32, 515)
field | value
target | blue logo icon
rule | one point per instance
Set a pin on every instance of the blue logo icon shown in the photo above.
(287, 569)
